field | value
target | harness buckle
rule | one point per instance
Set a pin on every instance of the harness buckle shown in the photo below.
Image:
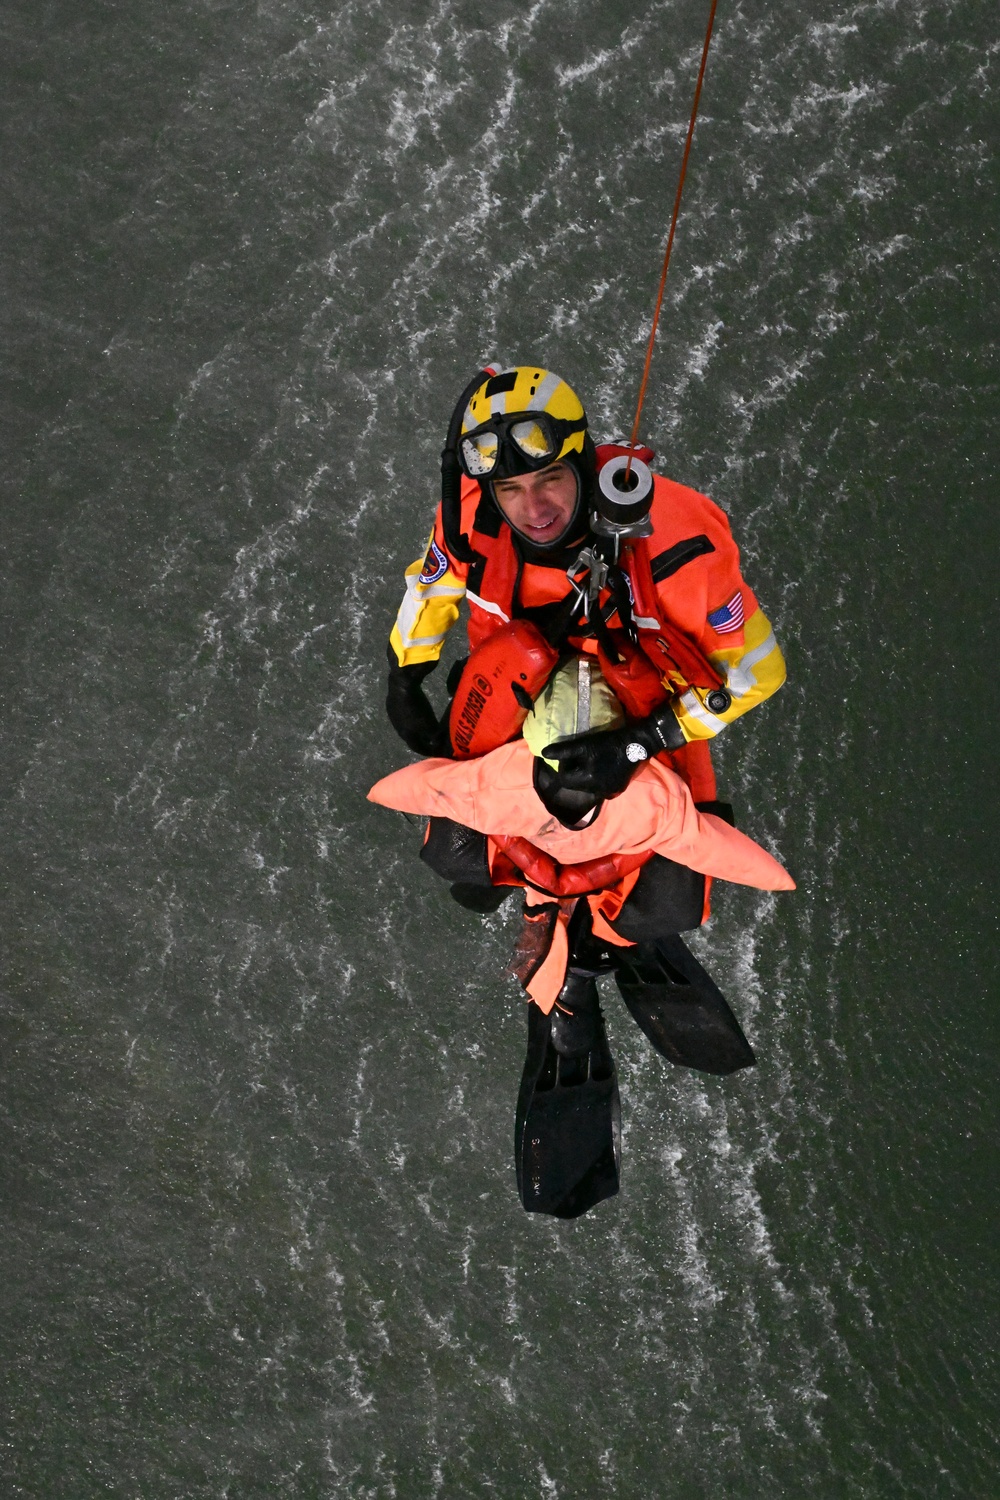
(598, 574)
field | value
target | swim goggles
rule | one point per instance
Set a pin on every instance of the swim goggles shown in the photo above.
(531, 439)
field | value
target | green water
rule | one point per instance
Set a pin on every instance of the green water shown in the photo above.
(262, 1232)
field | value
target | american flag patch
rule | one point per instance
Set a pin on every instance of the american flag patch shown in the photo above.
(729, 617)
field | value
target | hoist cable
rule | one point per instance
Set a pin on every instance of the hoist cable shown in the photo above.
(670, 240)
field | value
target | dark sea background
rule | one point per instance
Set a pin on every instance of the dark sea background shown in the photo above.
(261, 1231)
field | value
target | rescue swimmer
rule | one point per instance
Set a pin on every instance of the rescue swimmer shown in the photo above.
(520, 535)
(570, 554)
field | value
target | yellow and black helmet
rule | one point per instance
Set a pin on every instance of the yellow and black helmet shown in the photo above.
(518, 420)
(510, 422)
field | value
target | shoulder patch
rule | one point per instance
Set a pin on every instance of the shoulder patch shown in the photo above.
(435, 565)
(728, 616)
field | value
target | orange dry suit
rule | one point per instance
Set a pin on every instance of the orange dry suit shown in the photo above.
(692, 614)
(654, 815)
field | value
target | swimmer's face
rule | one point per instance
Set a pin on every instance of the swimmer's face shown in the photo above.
(541, 505)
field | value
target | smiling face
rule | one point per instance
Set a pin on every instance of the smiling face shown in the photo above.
(541, 505)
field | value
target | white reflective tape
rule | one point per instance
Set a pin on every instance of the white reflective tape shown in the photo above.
(543, 395)
(488, 605)
(693, 705)
(421, 640)
(437, 591)
(758, 653)
(418, 593)
(643, 622)
(740, 678)
(416, 598)
(582, 695)
(407, 616)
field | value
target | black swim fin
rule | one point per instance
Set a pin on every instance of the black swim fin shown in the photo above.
(567, 1133)
(680, 1009)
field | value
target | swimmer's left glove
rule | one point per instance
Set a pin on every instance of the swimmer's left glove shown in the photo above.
(410, 711)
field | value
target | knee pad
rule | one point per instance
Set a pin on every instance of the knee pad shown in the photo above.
(456, 853)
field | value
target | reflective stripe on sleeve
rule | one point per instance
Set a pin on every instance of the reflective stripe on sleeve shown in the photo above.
(411, 641)
(740, 678)
(693, 705)
(440, 602)
(435, 591)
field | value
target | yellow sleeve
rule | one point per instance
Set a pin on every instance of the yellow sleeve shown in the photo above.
(429, 608)
(751, 672)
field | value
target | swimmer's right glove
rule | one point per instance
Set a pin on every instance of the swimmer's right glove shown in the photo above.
(603, 762)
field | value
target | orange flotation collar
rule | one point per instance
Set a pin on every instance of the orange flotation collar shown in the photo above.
(517, 861)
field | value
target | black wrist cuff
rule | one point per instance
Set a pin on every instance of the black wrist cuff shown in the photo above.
(665, 730)
(414, 673)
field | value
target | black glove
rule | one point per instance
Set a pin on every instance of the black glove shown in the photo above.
(409, 710)
(604, 761)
